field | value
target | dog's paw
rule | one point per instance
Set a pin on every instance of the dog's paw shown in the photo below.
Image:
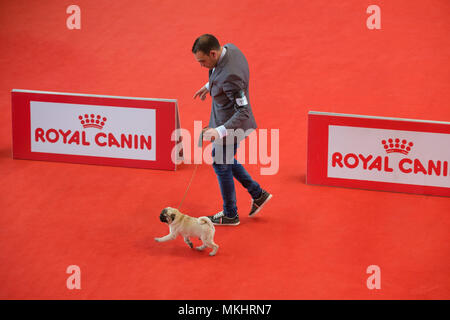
(200, 248)
(158, 239)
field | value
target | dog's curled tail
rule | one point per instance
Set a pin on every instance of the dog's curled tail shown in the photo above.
(203, 220)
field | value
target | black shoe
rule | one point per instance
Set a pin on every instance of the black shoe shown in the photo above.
(222, 220)
(257, 204)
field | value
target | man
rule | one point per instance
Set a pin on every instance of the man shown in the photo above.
(228, 87)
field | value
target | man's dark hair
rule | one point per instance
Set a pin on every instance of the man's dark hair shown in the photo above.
(205, 43)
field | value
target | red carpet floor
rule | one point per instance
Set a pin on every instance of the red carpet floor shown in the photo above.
(310, 242)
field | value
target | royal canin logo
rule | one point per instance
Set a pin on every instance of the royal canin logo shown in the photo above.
(397, 146)
(101, 139)
(92, 121)
(405, 165)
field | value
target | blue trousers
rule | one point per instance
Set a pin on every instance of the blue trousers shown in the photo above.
(226, 168)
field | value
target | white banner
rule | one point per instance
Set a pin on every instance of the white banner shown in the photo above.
(406, 157)
(88, 130)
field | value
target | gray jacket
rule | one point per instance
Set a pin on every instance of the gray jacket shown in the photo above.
(228, 87)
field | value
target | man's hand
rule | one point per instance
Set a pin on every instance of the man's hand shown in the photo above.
(201, 93)
(210, 134)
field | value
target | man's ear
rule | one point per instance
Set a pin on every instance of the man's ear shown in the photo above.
(213, 54)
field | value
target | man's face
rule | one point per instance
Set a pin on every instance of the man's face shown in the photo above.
(207, 60)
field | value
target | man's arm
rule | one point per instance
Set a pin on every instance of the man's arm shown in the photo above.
(234, 88)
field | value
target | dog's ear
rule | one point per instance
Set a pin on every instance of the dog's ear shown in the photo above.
(173, 216)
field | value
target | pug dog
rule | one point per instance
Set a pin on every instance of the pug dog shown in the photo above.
(186, 226)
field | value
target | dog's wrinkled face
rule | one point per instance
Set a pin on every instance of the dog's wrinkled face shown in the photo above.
(168, 215)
